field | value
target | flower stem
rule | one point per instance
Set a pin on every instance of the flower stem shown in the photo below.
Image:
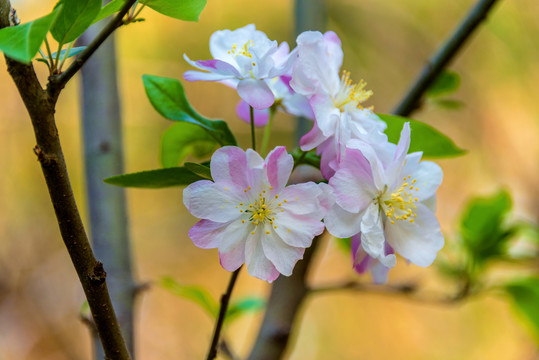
(267, 132)
(253, 137)
(212, 353)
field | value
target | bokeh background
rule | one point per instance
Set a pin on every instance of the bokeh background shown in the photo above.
(386, 43)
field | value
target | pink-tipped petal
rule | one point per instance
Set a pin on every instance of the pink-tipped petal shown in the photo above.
(279, 166)
(243, 111)
(256, 93)
(192, 75)
(206, 234)
(229, 165)
(312, 139)
(257, 263)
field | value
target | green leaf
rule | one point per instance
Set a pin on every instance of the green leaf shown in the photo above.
(525, 295)
(22, 42)
(308, 158)
(155, 179)
(482, 229)
(183, 139)
(168, 98)
(447, 82)
(74, 18)
(424, 137)
(112, 7)
(187, 10)
(199, 169)
(196, 294)
(242, 306)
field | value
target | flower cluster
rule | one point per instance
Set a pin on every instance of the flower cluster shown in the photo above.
(377, 194)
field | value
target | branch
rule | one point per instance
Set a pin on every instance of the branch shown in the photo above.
(287, 296)
(408, 291)
(442, 58)
(225, 298)
(57, 82)
(40, 106)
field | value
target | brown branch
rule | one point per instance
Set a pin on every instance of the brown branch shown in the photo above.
(40, 106)
(408, 291)
(287, 296)
(57, 82)
(225, 298)
(443, 57)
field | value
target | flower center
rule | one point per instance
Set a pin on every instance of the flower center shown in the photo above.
(244, 50)
(400, 205)
(260, 210)
(349, 93)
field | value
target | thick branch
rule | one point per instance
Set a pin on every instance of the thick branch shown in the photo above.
(57, 82)
(287, 295)
(442, 58)
(92, 276)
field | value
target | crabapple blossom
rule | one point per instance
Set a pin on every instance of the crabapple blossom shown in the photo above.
(363, 261)
(244, 59)
(335, 101)
(390, 202)
(251, 216)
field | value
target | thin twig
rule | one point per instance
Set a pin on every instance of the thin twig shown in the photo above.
(442, 58)
(225, 298)
(408, 291)
(57, 83)
(253, 135)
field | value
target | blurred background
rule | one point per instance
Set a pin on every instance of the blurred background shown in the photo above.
(386, 43)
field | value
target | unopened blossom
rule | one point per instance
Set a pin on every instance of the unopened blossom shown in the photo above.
(251, 216)
(389, 202)
(244, 59)
(363, 262)
(286, 100)
(335, 100)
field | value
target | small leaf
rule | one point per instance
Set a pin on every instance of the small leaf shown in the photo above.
(308, 158)
(196, 294)
(187, 10)
(424, 137)
(112, 7)
(447, 82)
(155, 179)
(482, 229)
(525, 295)
(183, 139)
(85, 311)
(22, 42)
(168, 98)
(74, 18)
(199, 169)
(242, 306)
(72, 52)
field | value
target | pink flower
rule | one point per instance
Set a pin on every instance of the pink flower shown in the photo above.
(251, 216)
(363, 261)
(389, 201)
(335, 101)
(244, 59)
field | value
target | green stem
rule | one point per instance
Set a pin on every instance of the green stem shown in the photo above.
(56, 62)
(267, 132)
(65, 56)
(253, 137)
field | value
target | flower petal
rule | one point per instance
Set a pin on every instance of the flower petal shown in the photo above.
(302, 199)
(279, 166)
(232, 245)
(207, 200)
(312, 139)
(206, 234)
(429, 177)
(282, 255)
(419, 241)
(341, 223)
(255, 258)
(203, 76)
(297, 230)
(256, 93)
(326, 114)
(229, 165)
